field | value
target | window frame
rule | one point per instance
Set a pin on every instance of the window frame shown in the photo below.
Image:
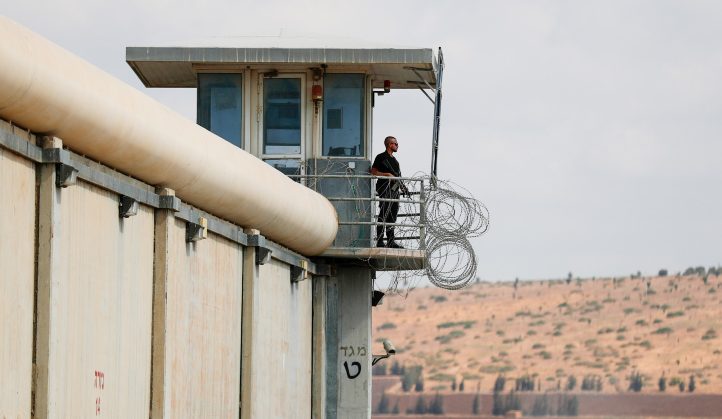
(243, 97)
(366, 122)
(261, 119)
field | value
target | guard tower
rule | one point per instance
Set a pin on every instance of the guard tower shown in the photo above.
(308, 111)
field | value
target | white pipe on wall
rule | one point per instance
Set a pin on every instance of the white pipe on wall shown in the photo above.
(50, 91)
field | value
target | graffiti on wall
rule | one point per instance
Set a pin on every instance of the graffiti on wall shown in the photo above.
(99, 384)
(353, 369)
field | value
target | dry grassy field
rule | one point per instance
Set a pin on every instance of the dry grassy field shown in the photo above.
(551, 330)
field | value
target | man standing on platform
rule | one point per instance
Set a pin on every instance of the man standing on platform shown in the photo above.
(386, 165)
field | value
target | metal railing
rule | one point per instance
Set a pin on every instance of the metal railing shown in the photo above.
(357, 204)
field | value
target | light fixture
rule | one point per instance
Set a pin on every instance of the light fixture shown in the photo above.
(317, 92)
(316, 96)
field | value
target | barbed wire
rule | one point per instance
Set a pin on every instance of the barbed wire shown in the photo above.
(451, 217)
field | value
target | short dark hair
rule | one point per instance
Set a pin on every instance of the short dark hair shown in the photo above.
(388, 139)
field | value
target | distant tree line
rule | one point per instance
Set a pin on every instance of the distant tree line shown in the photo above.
(591, 383)
(563, 405)
(677, 382)
(433, 407)
(700, 270)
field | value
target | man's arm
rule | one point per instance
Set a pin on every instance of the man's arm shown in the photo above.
(377, 172)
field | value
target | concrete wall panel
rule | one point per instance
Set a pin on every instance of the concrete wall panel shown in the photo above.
(282, 344)
(348, 343)
(17, 277)
(202, 326)
(95, 285)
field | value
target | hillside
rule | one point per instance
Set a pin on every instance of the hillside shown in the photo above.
(551, 330)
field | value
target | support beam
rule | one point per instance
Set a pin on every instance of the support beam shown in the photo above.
(248, 326)
(161, 371)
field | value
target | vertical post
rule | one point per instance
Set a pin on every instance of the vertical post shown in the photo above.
(318, 373)
(331, 348)
(422, 216)
(248, 310)
(160, 371)
(49, 234)
(372, 193)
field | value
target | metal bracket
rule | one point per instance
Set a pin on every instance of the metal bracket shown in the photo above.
(263, 255)
(377, 358)
(197, 231)
(422, 82)
(65, 175)
(299, 273)
(128, 206)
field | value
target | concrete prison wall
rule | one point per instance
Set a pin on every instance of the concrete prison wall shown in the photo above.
(106, 316)
(17, 278)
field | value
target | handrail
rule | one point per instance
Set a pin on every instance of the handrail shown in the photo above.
(410, 220)
(413, 179)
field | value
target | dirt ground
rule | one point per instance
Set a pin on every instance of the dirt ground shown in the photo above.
(606, 328)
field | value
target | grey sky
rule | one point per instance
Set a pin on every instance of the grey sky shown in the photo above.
(591, 129)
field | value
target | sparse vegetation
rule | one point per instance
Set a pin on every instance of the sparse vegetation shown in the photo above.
(636, 382)
(411, 376)
(466, 324)
(709, 334)
(387, 325)
(621, 349)
(663, 331)
(675, 314)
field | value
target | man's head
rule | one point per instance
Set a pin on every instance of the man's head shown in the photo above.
(391, 144)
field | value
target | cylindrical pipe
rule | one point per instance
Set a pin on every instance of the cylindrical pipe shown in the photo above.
(50, 91)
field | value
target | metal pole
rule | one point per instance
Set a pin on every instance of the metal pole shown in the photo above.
(422, 218)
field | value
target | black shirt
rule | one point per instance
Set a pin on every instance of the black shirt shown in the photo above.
(386, 163)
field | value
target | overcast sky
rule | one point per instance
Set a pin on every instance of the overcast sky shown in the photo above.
(592, 130)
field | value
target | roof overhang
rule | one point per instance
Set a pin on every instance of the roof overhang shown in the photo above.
(179, 66)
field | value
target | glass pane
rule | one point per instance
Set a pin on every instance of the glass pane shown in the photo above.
(343, 115)
(287, 166)
(282, 116)
(219, 105)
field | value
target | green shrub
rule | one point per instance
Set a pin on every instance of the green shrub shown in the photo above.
(710, 334)
(387, 325)
(663, 331)
(465, 324)
(496, 369)
(441, 377)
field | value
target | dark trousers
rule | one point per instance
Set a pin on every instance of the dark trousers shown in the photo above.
(387, 214)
